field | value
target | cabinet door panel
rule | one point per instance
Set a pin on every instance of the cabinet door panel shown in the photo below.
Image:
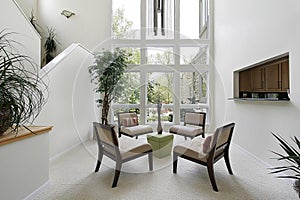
(257, 79)
(285, 75)
(273, 78)
(245, 81)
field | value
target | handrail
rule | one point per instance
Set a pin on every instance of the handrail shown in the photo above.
(22, 12)
(60, 57)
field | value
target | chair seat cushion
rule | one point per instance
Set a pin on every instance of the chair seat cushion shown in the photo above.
(190, 131)
(192, 148)
(136, 130)
(130, 147)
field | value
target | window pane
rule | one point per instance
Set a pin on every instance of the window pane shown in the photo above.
(135, 55)
(204, 17)
(129, 89)
(194, 55)
(189, 23)
(160, 56)
(166, 114)
(160, 87)
(160, 25)
(193, 87)
(126, 19)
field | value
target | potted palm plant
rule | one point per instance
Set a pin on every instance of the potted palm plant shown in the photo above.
(21, 90)
(292, 158)
(106, 73)
(50, 45)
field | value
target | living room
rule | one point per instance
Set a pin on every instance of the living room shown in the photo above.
(243, 33)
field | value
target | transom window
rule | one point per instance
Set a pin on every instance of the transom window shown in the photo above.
(170, 60)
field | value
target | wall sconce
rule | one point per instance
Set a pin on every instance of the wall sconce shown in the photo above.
(67, 13)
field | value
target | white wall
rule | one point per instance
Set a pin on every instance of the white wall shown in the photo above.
(70, 106)
(26, 168)
(28, 6)
(89, 26)
(247, 32)
(13, 20)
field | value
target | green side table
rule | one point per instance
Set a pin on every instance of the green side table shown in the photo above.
(161, 144)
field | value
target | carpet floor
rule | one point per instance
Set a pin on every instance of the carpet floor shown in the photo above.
(72, 177)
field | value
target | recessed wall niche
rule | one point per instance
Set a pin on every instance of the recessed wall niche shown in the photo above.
(265, 80)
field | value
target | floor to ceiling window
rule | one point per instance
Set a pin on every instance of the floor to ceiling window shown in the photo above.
(169, 41)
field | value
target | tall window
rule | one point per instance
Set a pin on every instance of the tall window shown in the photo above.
(170, 57)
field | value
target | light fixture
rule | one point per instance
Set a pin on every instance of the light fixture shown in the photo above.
(67, 13)
(159, 8)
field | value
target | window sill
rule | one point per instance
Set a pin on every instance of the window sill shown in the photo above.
(259, 99)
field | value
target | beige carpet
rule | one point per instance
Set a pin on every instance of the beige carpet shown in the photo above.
(72, 177)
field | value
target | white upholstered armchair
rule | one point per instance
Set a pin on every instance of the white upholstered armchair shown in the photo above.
(194, 125)
(128, 125)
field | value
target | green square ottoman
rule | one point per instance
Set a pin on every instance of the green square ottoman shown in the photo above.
(161, 144)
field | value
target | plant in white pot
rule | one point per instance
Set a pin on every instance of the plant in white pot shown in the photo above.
(291, 158)
(106, 73)
(21, 89)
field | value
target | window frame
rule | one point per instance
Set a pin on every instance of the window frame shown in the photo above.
(143, 68)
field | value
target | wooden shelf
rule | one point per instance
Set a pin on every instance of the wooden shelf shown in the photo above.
(12, 136)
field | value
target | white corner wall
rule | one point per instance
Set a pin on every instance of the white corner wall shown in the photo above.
(90, 25)
(70, 106)
(247, 32)
(15, 20)
(28, 6)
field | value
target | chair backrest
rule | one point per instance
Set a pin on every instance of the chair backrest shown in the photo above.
(107, 138)
(221, 139)
(127, 119)
(195, 118)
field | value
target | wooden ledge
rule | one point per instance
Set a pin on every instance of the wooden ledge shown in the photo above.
(11, 136)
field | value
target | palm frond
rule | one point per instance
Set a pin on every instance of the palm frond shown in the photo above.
(291, 156)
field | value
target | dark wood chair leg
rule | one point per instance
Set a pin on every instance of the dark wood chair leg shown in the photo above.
(185, 137)
(150, 159)
(117, 174)
(226, 158)
(203, 135)
(175, 160)
(211, 174)
(100, 156)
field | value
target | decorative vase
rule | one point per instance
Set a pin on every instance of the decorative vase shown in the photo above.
(159, 127)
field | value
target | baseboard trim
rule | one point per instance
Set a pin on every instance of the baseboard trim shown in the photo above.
(69, 149)
(265, 164)
(30, 196)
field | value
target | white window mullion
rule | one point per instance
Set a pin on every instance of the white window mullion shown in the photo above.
(143, 96)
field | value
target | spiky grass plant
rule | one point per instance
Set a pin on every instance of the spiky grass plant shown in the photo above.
(21, 89)
(50, 45)
(292, 158)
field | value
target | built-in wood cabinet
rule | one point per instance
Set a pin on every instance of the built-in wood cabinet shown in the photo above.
(285, 81)
(245, 80)
(271, 76)
(258, 79)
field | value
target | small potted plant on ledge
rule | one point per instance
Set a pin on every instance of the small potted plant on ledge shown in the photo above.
(106, 73)
(21, 90)
(292, 158)
(50, 45)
